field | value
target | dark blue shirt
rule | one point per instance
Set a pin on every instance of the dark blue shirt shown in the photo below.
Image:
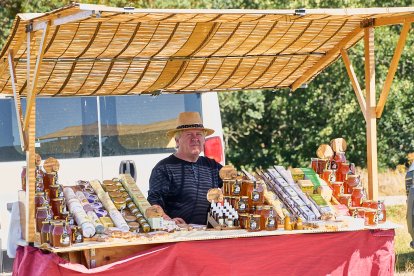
(180, 187)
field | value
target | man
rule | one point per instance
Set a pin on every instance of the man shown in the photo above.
(179, 184)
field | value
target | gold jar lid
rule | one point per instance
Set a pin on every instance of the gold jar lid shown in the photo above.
(115, 194)
(118, 200)
(111, 188)
(243, 214)
(130, 218)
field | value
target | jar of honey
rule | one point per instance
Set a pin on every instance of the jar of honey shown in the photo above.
(145, 227)
(254, 223)
(255, 194)
(337, 188)
(268, 220)
(61, 235)
(328, 176)
(115, 194)
(353, 212)
(235, 188)
(57, 207)
(357, 197)
(361, 212)
(247, 187)
(119, 203)
(322, 165)
(351, 182)
(243, 220)
(371, 217)
(76, 235)
(49, 179)
(227, 186)
(40, 199)
(45, 232)
(133, 226)
(42, 213)
(242, 205)
(111, 188)
(54, 191)
(380, 207)
(343, 170)
(345, 199)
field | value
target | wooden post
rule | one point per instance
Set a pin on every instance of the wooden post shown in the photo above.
(30, 175)
(371, 119)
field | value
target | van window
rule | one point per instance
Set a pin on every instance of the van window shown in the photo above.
(68, 127)
(138, 124)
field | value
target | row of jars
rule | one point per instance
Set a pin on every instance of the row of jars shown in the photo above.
(59, 233)
(249, 190)
(123, 202)
(373, 211)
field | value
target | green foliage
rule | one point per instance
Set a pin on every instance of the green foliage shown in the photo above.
(266, 127)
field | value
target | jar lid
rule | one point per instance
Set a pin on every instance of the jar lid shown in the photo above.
(57, 199)
(130, 218)
(118, 200)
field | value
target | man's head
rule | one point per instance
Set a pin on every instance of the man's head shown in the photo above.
(189, 135)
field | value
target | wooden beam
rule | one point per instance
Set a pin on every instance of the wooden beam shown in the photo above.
(31, 176)
(355, 83)
(17, 103)
(31, 95)
(371, 124)
(394, 20)
(330, 55)
(393, 68)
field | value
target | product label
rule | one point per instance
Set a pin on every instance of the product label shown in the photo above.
(242, 206)
(78, 238)
(253, 224)
(255, 196)
(270, 222)
(236, 189)
(65, 239)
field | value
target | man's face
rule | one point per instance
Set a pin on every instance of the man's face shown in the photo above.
(191, 142)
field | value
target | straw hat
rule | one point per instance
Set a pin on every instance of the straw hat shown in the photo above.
(189, 120)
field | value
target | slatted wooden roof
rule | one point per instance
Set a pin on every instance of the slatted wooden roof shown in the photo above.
(99, 50)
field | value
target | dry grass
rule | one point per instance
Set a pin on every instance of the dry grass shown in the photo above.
(404, 254)
(391, 182)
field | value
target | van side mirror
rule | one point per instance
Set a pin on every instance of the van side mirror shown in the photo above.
(128, 167)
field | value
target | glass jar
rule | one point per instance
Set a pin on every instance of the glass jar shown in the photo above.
(49, 179)
(234, 200)
(254, 223)
(351, 182)
(42, 213)
(361, 212)
(145, 227)
(268, 220)
(45, 232)
(242, 205)
(371, 217)
(54, 191)
(322, 165)
(133, 226)
(40, 199)
(243, 220)
(258, 210)
(337, 188)
(76, 236)
(328, 176)
(119, 203)
(353, 212)
(235, 188)
(255, 195)
(345, 199)
(380, 207)
(61, 235)
(314, 164)
(115, 194)
(357, 196)
(57, 207)
(227, 184)
(343, 170)
(366, 203)
(247, 187)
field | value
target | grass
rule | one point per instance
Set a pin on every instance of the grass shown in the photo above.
(404, 254)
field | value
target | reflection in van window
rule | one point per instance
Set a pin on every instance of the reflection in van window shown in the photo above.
(138, 124)
(10, 146)
(67, 127)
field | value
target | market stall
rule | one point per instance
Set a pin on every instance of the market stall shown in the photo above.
(85, 50)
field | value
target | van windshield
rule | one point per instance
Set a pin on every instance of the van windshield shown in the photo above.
(70, 127)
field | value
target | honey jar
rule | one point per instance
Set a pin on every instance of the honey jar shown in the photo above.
(371, 217)
(243, 220)
(254, 223)
(247, 185)
(345, 199)
(357, 196)
(268, 220)
(40, 199)
(61, 235)
(57, 207)
(337, 188)
(42, 213)
(54, 191)
(351, 182)
(45, 232)
(119, 203)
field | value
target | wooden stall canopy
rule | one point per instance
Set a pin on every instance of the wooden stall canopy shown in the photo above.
(98, 50)
(93, 50)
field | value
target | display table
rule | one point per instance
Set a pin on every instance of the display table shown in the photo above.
(365, 252)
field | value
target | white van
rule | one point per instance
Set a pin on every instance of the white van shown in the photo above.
(90, 136)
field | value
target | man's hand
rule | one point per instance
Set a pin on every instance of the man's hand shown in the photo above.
(179, 221)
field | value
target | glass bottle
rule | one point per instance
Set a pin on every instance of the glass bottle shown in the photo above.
(45, 232)
(357, 196)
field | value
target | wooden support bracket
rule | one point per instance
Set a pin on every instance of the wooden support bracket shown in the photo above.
(355, 83)
(33, 83)
(17, 104)
(393, 68)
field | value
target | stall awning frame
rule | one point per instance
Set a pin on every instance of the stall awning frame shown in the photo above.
(93, 50)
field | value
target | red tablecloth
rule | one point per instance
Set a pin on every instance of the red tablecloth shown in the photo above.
(368, 252)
